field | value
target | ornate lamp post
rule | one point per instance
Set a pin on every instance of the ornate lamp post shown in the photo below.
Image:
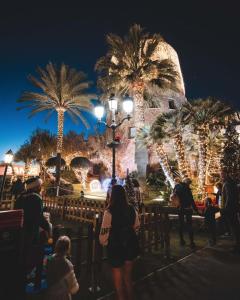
(127, 106)
(7, 159)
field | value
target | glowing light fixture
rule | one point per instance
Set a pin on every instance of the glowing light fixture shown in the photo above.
(99, 111)
(113, 103)
(128, 104)
(8, 158)
(95, 185)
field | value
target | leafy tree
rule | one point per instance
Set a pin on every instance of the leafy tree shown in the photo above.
(25, 154)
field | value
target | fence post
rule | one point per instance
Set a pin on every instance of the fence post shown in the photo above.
(95, 266)
(166, 233)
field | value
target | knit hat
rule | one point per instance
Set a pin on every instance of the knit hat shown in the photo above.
(33, 183)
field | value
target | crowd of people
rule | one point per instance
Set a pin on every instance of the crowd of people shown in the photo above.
(119, 230)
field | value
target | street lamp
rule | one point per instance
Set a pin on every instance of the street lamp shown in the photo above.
(7, 159)
(127, 105)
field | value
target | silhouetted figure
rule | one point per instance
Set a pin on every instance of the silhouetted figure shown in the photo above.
(118, 233)
(231, 209)
(210, 220)
(31, 203)
(186, 207)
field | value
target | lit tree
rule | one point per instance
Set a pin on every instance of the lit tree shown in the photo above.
(25, 154)
(152, 139)
(173, 129)
(63, 90)
(129, 67)
(231, 153)
(203, 115)
(129, 188)
(82, 164)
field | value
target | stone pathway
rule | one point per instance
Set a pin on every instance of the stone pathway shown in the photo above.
(210, 273)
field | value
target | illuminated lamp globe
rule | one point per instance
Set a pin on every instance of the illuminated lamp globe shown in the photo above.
(128, 104)
(113, 103)
(99, 111)
(8, 158)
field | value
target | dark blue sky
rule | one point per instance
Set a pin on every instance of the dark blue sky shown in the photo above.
(206, 37)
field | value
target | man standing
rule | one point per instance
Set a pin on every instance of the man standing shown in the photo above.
(231, 210)
(186, 206)
(31, 203)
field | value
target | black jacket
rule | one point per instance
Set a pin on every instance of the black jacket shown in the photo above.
(31, 203)
(184, 193)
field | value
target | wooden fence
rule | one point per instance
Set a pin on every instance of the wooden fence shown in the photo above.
(154, 231)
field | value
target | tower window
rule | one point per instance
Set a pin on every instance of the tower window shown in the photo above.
(171, 104)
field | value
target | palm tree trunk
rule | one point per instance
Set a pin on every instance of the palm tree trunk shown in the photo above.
(26, 169)
(163, 160)
(181, 159)
(138, 105)
(60, 113)
(84, 173)
(202, 163)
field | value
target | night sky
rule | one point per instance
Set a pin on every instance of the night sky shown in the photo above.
(205, 36)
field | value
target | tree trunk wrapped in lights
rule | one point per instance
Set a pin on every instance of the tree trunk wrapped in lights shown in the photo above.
(60, 114)
(183, 165)
(202, 162)
(163, 160)
(138, 105)
(84, 173)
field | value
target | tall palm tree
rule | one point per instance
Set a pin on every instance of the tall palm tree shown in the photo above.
(152, 139)
(129, 67)
(63, 89)
(173, 129)
(203, 115)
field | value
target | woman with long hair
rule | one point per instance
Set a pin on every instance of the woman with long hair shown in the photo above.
(118, 232)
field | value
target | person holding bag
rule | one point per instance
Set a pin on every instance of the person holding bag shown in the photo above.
(118, 232)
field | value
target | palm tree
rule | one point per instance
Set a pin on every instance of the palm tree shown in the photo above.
(63, 89)
(173, 129)
(152, 139)
(204, 115)
(129, 67)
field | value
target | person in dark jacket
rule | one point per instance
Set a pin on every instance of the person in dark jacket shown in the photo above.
(33, 248)
(210, 220)
(231, 209)
(187, 204)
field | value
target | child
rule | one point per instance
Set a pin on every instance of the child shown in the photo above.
(210, 220)
(61, 279)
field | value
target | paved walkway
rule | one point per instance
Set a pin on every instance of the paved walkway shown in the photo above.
(210, 273)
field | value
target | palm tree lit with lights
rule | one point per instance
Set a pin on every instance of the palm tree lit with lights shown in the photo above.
(128, 67)
(64, 89)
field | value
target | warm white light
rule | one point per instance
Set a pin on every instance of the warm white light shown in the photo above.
(113, 103)
(95, 185)
(128, 105)
(8, 158)
(99, 111)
